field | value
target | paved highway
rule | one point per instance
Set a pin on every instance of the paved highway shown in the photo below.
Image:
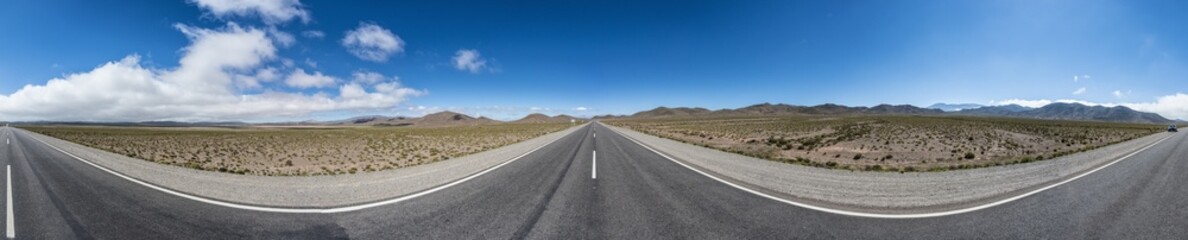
(591, 184)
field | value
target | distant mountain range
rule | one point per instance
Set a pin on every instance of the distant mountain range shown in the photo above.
(1069, 111)
(1060, 111)
(785, 109)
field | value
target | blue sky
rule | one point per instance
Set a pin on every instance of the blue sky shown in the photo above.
(589, 57)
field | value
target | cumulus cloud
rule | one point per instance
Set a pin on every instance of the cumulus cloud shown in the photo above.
(202, 87)
(282, 38)
(469, 60)
(372, 43)
(1079, 91)
(300, 79)
(270, 11)
(313, 34)
(1173, 106)
(367, 77)
(244, 81)
(580, 109)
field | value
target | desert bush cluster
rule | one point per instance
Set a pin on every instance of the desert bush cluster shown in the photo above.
(891, 143)
(298, 151)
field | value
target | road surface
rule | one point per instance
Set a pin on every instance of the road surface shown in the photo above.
(591, 184)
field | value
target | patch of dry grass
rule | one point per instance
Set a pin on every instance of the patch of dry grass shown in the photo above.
(293, 151)
(891, 143)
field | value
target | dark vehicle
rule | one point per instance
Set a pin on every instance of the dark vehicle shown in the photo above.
(1172, 128)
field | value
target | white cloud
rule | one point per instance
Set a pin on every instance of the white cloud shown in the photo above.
(1173, 106)
(1022, 102)
(300, 79)
(1043, 102)
(1120, 94)
(580, 109)
(202, 87)
(367, 77)
(372, 43)
(313, 34)
(352, 91)
(282, 38)
(253, 81)
(267, 74)
(311, 63)
(469, 60)
(1079, 91)
(270, 11)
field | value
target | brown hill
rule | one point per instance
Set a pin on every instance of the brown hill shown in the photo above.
(668, 112)
(448, 118)
(541, 118)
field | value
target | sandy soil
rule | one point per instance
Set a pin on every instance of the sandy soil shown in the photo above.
(891, 143)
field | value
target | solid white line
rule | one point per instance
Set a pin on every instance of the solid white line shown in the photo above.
(594, 165)
(896, 216)
(9, 228)
(295, 210)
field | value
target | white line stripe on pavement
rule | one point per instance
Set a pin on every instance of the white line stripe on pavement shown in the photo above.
(10, 226)
(897, 216)
(594, 165)
(296, 210)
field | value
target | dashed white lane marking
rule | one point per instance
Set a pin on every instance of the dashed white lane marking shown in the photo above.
(296, 210)
(594, 165)
(10, 226)
(897, 216)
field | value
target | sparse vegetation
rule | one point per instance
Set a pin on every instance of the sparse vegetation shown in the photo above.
(908, 143)
(298, 151)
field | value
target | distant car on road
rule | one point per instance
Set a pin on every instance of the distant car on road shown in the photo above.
(1172, 128)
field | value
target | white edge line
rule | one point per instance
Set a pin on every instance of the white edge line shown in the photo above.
(896, 216)
(10, 225)
(298, 210)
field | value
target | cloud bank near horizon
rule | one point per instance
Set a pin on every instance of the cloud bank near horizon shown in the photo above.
(220, 76)
(1173, 106)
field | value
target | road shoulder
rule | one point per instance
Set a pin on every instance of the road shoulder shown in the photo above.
(301, 191)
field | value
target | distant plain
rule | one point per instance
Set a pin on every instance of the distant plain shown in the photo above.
(286, 151)
(890, 142)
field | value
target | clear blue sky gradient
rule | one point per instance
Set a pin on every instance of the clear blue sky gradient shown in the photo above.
(626, 56)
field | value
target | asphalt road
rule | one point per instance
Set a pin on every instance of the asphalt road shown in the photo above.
(553, 194)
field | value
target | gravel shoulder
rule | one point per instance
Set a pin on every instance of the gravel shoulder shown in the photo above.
(888, 192)
(302, 191)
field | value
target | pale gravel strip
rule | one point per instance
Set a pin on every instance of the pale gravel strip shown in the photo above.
(888, 192)
(302, 191)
